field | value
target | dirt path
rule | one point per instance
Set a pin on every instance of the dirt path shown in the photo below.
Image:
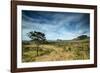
(57, 54)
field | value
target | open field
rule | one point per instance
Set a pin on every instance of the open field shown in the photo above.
(56, 51)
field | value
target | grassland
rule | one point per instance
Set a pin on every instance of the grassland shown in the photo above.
(56, 51)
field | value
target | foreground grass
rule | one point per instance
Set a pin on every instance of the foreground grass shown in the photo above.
(58, 51)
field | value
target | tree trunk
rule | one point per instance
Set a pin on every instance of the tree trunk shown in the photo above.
(38, 50)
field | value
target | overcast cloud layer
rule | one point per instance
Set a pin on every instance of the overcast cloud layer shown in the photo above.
(55, 25)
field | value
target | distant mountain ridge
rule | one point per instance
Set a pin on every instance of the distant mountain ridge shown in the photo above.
(81, 37)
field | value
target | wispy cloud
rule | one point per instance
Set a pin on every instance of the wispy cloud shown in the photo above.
(56, 25)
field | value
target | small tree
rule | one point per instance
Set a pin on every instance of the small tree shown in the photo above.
(37, 37)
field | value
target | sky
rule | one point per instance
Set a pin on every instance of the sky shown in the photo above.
(55, 25)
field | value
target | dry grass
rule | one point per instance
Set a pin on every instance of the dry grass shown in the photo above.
(56, 52)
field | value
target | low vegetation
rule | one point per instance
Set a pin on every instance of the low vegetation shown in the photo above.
(56, 51)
